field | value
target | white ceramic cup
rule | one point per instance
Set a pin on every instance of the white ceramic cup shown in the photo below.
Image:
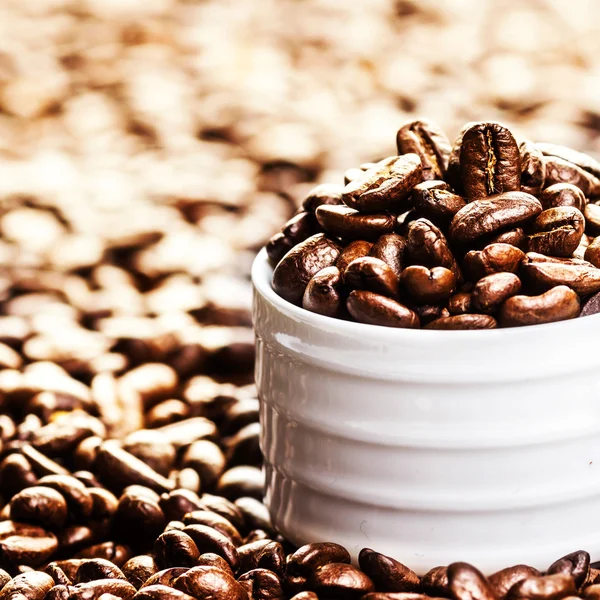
(430, 446)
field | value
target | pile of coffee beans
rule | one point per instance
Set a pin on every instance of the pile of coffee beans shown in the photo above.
(486, 232)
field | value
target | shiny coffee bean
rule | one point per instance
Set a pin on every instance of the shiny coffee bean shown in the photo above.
(22, 544)
(502, 581)
(40, 505)
(208, 539)
(300, 227)
(350, 224)
(296, 269)
(27, 586)
(161, 592)
(139, 569)
(387, 574)
(325, 193)
(97, 568)
(391, 249)
(209, 559)
(372, 274)
(437, 205)
(79, 500)
(483, 218)
(557, 231)
(490, 162)
(340, 581)
(323, 293)
(425, 139)
(428, 285)
(95, 589)
(495, 258)
(311, 557)
(563, 194)
(435, 582)
(428, 246)
(261, 584)
(352, 251)
(492, 290)
(429, 312)
(548, 587)
(591, 213)
(557, 304)
(533, 168)
(559, 170)
(592, 252)
(165, 577)
(216, 521)
(375, 309)
(576, 564)
(467, 321)
(385, 186)
(175, 549)
(515, 237)
(460, 303)
(453, 172)
(209, 582)
(585, 162)
(467, 583)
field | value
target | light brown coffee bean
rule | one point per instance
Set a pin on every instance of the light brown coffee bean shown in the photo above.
(492, 290)
(323, 293)
(467, 583)
(592, 252)
(22, 544)
(388, 574)
(533, 168)
(563, 194)
(584, 161)
(30, 586)
(295, 270)
(372, 274)
(557, 304)
(165, 577)
(428, 285)
(494, 258)
(350, 224)
(557, 231)
(374, 309)
(503, 580)
(468, 321)
(95, 589)
(559, 170)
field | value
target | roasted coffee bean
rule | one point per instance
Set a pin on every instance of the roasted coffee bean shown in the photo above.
(557, 231)
(22, 544)
(95, 589)
(428, 246)
(352, 251)
(209, 582)
(104, 503)
(261, 584)
(186, 432)
(175, 549)
(353, 174)
(167, 411)
(165, 577)
(97, 568)
(325, 193)
(460, 303)
(543, 272)
(391, 249)
(305, 596)
(533, 168)
(350, 224)
(300, 227)
(388, 574)
(591, 592)
(592, 252)
(585, 162)
(549, 587)
(435, 582)
(209, 559)
(492, 290)
(428, 286)
(468, 321)
(153, 448)
(383, 187)
(208, 539)
(374, 309)
(139, 518)
(372, 274)
(242, 480)
(487, 217)
(255, 514)
(40, 463)
(116, 553)
(490, 162)
(429, 142)
(495, 258)
(437, 205)
(557, 304)
(296, 269)
(563, 194)
(224, 507)
(592, 219)
(576, 564)
(40, 505)
(16, 474)
(453, 172)
(27, 586)
(591, 306)
(322, 294)
(79, 500)
(515, 237)
(429, 312)
(467, 583)
(311, 557)
(214, 520)
(178, 503)
(57, 574)
(559, 170)
(161, 592)
(139, 569)
(339, 580)
(503, 580)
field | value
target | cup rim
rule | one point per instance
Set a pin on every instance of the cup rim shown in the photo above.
(262, 272)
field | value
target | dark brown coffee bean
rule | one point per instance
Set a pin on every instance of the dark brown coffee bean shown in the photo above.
(453, 174)
(300, 227)
(544, 272)
(388, 574)
(216, 521)
(79, 499)
(175, 549)
(339, 580)
(151, 447)
(492, 290)
(97, 568)
(460, 303)
(22, 544)
(395, 596)
(350, 224)
(592, 219)
(591, 592)
(428, 286)
(490, 162)
(57, 574)
(385, 186)
(515, 237)
(40, 463)
(557, 231)
(311, 557)
(467, 583)
(353, 250)
(4, 578)
(391, 249)
(208, 539)
(563, 194)
(139, 569)
(119, 468)
(559, 170)
(486, 217)
(40, 505)
(209, 582)
(69, 567)
(494, 258)
(243, 480)
(576, 564)
(374, 309)
(261, 584)
(27, 586)
(209, 559)
(549, 587)
(139, 518)
(95, 589)
(161, 592)
(470, 321)
(557, 304)
(322, 294)
(325, 193)
(429, 312)
(591, 306)
(16, 474)
(428, 246)
(372, 274)
(255, 514)
(533, 168)
(224, 507)
(437, 205)
(592, 252)
(293, 273)
(165, 577)
(435, 582)
(503, 580)
(178, 503)
(425, 139)
(116, 553)
(75, 537)
(104, 503)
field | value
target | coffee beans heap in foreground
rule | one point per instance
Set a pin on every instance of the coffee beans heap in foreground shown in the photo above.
(488, 232)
